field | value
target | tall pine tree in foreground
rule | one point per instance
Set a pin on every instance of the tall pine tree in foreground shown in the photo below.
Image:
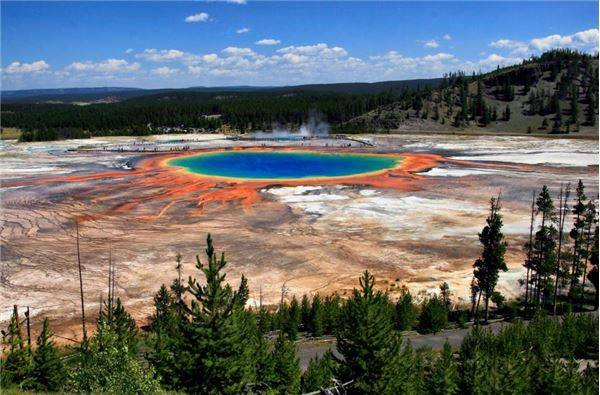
(370, 346)
(488, 266)
(544, 248)
(216, 333)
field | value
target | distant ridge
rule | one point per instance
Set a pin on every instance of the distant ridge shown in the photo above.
(75, 95)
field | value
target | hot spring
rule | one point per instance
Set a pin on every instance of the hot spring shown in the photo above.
(264, 165)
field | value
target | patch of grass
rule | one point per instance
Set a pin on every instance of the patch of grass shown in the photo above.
(10, 133)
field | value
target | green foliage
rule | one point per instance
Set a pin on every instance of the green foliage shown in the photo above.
(216, 330)
(320, 373)
(317, 316)
(406, 311)
(434, 315)
(47, 372)
(372, 351)
(107, 366)
(488, 266)
(16, 364)
(286, 369)
(444, 379)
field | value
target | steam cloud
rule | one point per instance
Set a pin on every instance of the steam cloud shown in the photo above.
(314, 126)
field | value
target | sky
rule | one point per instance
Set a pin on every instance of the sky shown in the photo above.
(244, 42)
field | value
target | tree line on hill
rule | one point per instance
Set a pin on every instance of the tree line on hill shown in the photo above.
(203, 339)
(542, 84)
(459, 101)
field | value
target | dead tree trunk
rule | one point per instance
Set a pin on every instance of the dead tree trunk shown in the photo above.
(80, 283)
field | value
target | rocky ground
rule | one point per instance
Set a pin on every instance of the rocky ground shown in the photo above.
(312, 238)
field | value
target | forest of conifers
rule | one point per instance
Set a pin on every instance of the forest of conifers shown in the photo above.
(567, 99)
(202, 338)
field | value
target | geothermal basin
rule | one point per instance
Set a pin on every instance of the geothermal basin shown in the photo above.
(304, 217)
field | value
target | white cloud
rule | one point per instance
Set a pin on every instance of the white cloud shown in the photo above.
(431, 44)
(236, 1)
(505, 43)
(583, 39)
(586, 40)
(243, 30)
(237, 51)
(320, 50)
(268, 41)
(200, 17)
(163, 55)
(447, 37)
(107, 66)
(494, 60)
(165, 71)
(210, 58)
(438, 56)
(129, 50)
(22, 68)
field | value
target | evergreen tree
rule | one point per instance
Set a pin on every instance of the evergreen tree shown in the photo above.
(406, 311)
(445, 295)
(320, 373)
(577, 233)
(305, 312)
(488, 266)
(434, 315)
(216, 331)
(544, 124)
(48, 372)
(16, 364)
(286, 367)
(444, 378)
(368, 343)
(292, 319)
(590, 115)
(317, 325)
(507, 113)
(544, 251)
(574, 105)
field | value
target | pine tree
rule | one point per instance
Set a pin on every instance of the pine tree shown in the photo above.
(444, 378)
(285, 366)
(434, 315)
(215, 332)
(574, 105)
(577, 233)
(305, 312)
(368, 343)
(590, 115)
(487, 267)
(507, 113)
(320, 373)
(48, 372)
(292, 319)
(317, 325)
(406, 311)
(17, 355)
(445, 295)
(544, 251)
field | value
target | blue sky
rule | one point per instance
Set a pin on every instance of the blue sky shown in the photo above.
(180, 44)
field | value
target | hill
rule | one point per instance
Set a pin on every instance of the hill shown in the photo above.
(554, 93)
(118, 94)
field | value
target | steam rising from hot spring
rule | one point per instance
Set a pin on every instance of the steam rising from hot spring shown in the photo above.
(314, 126)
